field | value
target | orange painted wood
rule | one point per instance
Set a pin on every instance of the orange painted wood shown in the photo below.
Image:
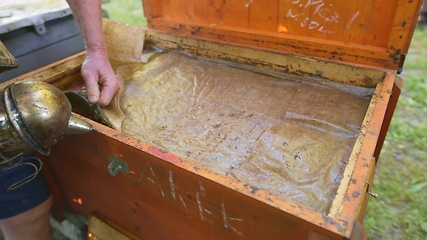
(263, 15)
(236, 14)
(209, 12)
(152, 10)
(177, 10)
(291, 17)
(63, 74)
(289, 26)
(379, 23)
(173, 194)
(327, 19)
(356, 21)
(167, 197)
(402, 29)
(304, 46)
(98, 191)
(395, 94)
(360, 175)
(368, 188)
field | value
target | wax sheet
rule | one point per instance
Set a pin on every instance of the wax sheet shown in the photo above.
(289, 135)
(125, 45)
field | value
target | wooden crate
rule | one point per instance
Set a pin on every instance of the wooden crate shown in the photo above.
(165, 196)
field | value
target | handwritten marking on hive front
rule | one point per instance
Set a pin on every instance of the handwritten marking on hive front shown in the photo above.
(319, 9)
(166, 183)
(154, 179)
(226, 220)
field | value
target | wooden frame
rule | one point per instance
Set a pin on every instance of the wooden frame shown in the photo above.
(168, 197)
(365, 37)
(165, 196)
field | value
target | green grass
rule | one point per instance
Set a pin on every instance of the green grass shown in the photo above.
(128, 11)
(400, 212)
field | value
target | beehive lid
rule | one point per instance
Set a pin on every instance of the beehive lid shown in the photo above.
(16, 14)
(367, 32)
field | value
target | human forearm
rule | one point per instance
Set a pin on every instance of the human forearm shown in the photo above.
(100, 80)
(88, 15)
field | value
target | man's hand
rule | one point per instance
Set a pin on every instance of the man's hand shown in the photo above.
(101, 83)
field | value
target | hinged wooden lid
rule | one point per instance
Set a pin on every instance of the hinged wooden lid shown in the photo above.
(368, 32)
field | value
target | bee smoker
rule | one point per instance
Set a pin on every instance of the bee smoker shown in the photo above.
(33, 117)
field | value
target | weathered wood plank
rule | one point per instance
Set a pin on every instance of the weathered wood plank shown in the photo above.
(371, 33)
(293, 64)
(301, 45)
(209, 12)
(377, 29)
(182, 191)
(402, 29)
(165, 196)
(346, 206)
(263, 15)
(368, 188)
(395, 94)
(63, 74)
(236, 14)
(356, 21)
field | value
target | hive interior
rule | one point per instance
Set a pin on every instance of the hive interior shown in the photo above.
(289, 135)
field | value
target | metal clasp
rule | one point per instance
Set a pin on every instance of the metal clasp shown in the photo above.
(116, 166)
(40, 29)
(369, 192)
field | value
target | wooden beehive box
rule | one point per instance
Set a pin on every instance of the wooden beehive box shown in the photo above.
(164, 196)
